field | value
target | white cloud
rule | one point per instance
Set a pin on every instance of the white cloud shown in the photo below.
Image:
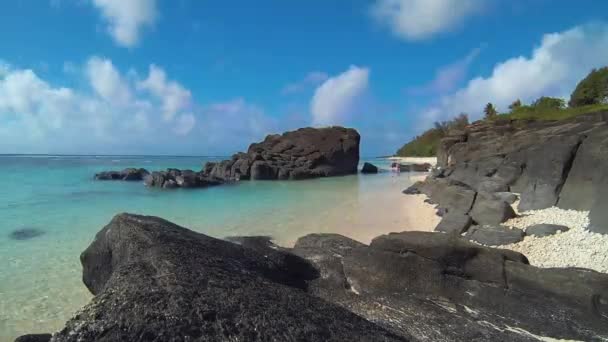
(38, 117)
(552, 69)
(173, 96)
(107, 81)
(127, 18)
(421, 19)
(312, 79)
(335, 99)
(184, 124)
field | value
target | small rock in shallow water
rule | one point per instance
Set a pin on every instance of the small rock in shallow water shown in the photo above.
(25, 233)
(34, 338)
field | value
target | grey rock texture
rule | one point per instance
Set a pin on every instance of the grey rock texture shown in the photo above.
(495, 235)
(549, 163)
(156, 281)
(301, 154)
(541, 230)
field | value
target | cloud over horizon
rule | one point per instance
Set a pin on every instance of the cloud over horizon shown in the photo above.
(553, 68)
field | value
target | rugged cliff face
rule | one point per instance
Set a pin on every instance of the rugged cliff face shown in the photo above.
(559, 163)
(304, 153)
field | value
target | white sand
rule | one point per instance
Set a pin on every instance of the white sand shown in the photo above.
(576, 247)
(373, 211)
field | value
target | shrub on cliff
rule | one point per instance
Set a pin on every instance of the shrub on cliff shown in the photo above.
(490, 111)
(593, 89)
(425, 145)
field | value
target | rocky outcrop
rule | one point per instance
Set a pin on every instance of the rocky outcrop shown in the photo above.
(128, 174)
(549, 163)
(154, 280)
(174, 178)
(586, 186)
(301, 154)
(369, 168)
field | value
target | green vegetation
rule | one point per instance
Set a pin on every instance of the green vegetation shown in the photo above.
(544, 113)
(590, 96)
(426, 144)
(592, 90)
(490, 111)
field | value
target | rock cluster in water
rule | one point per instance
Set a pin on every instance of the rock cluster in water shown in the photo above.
(301, 154)
(156, 281)
(559, 164)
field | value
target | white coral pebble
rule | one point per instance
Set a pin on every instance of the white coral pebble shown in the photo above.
(576, 247)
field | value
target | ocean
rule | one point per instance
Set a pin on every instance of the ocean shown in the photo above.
(40, 277)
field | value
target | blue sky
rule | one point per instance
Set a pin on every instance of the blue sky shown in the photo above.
(209, 77)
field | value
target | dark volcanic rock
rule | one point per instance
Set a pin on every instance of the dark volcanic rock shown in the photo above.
(156, 281)
(489, 210)
(454, 223)
(439, 287)
(25, 233)
(369, 168)
(301, 154)
(494, 235)
(508, 197)
(129, 174)
(550, 163)
(34, 338)
(448, 194)
(545, 229)
(587, 182)
(174, 178)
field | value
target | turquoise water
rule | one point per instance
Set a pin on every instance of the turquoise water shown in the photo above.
(40, 278)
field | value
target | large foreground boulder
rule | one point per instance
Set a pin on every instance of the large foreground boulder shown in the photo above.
(301, 154)
(156, 281)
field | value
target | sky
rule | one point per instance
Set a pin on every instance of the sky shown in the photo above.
(188, 77)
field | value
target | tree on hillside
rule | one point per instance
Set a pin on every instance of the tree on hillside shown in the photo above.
(490, 111)
(460, 121)
(593, 89)
(516, 104)
(546, 102)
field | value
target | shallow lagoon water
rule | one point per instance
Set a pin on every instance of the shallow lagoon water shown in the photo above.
(40, 277)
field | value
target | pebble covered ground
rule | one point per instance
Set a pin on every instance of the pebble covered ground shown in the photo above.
(576, 247)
